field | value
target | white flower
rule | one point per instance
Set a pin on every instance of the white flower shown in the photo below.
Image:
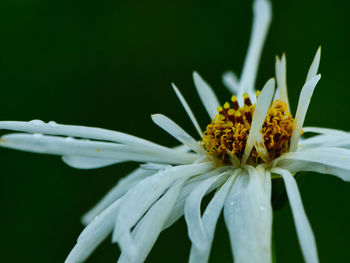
(242, 151)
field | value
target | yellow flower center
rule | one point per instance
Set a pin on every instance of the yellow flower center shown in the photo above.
(228, 132)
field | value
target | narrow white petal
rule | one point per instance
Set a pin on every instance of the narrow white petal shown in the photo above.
(261, 22)
(123, 185)
(148, 229)
(302, 225)
(248, 216)
(188, 110)
(138, 200)
(303, 104)
(196, 230)
(314, 66)
(281, 79)
(81, 162)
(206, 95)
(176, 131)
(230, 80)
(209, 220)
(52, 128)
(68, 146)
(326, 160)
(93, 235)
(262, 105)
(327, 131)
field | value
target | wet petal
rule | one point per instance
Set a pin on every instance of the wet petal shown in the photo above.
(248, 216)
(303, 105)
(206, 95)
(302, 225)
(261, 22)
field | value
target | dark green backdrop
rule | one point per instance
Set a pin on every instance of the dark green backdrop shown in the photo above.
(110, 63)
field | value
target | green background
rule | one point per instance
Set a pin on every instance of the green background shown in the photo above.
(110, 64)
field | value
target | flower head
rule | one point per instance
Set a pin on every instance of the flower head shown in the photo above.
(248, 142)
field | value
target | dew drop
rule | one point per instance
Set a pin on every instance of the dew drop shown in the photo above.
(69, 139)
(262, 208)
(37, 122)
(37, 135)
(52, 123)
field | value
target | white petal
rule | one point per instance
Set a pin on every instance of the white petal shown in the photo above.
(327, 160)
(188, 110)
(148, 229)
(314, 66)
(303, 104)
(248, 216)
(67, 146)
(81, 162)
(123, 185)
(261, 22)
(93, 235)
(190, 185)
(325, 141)
(176, 131)
(138, 200)
(262, 105)
(196, 230)
(209, 220)
(52, 128)
(302, 225)
(206, 95)
(281, 79)
(327, 131)
(230, 80)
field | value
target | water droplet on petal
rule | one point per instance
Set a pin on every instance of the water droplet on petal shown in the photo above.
(52, 123)
(37, 122)
(262, 208)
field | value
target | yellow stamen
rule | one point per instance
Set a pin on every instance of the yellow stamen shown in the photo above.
(228, 132)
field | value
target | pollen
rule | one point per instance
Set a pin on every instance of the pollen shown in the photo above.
(227, 134)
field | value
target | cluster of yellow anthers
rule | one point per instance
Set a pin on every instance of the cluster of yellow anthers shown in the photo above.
(229, 130)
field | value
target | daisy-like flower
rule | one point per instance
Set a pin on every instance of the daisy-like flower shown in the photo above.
(250, 141)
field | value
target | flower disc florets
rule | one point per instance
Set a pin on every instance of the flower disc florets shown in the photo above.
(228, 132)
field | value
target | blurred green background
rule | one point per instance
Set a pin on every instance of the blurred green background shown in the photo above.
(110, 64)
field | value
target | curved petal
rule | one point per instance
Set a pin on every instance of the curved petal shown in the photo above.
(303, 105)
(326, 160)
(139, 199)
(281, 79)
(148, 229)
(261, 22)
(176, 131)
(53, 128)
(262, 105)
(209, 220)
(314, 65)
(302, 225)
(206, 95)
(93, 235)
(196, 229)
(248, 216)
(123, 185)
(188, 110)
(230, 80)
(68, 146)
(325, 141)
